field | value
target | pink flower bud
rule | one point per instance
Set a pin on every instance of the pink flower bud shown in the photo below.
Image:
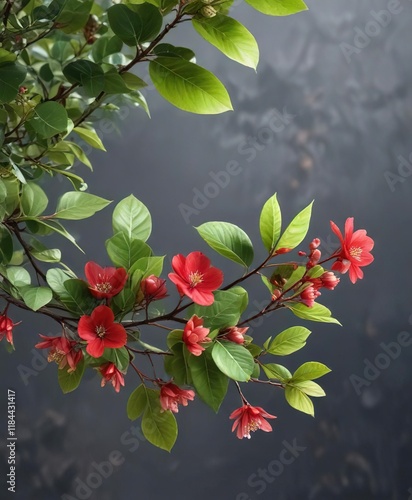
(153, 288)
(309, 295)
(329, 280)
(314, 244)
(235, 334)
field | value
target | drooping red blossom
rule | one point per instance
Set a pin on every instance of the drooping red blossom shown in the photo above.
(195, 277)
(105, 282)
(6, 328)
(329, 280)
(250, 419)
(354, 252)
(111, 373)
(100, 331)
(171, 396)
(153, 288)
(309, 295)
(62, 351)
(235, 334)
(194, 334)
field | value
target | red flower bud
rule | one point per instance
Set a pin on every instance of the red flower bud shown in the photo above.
(153, 288)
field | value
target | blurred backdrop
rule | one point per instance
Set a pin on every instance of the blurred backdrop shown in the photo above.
(327, 117)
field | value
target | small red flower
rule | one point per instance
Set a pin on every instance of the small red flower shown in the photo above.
(354, 252)
(171, 396)
(195, 278)
(105, 282)
(194, 334)
(250, 419)
(6, 328)
(329, 280)
(235, 334)
(111, 373)
(153, 288)
(100, 331)
(62, 351)
(309, 295)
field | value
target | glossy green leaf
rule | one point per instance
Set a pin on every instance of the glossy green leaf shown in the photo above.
(310, 371)
(70, 381)
(296, 231)
(137, 402)
(55, 279)
(12, 76)
(270, 223)
(18, 276)
(132, 218)
(74, 15)
(230, 37)
(188, 86)
(36, 297)
(124, 251)
(233, 360)
(6, 245)
(177, 365)
(317, 312)
(310, 388)
(228, 240)
(299, 400)
(289, 341)
(33, 199)
(87, 74)
(169, 50)
(75, 205)
(135, 26)
(277, 372)
(77, 297)
(90, 136)
(278, 7)
(210, 383)
(105, 46)
(120, 357)
(49, 119)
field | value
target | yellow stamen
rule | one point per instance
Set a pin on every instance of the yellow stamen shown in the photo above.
(355, 252)
(100, 331)
(195, 278)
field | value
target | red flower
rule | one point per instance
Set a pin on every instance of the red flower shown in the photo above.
(194, 334)
(171, 396)
(111, 373)
(101, 331)
(105, 282)
(250, 418)
(309, 295)
(6, 328)
(195, 278)
(153, 288)
(329, 280)
(62, 351)
(235, 334)
(354, 252)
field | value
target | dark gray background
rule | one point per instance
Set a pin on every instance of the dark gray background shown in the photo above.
(351, 122)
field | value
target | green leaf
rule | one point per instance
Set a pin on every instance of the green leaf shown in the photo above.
(120, 357)
(6, 245)
(230, 37)
(6, 57)
(36, 297)
(56, 227)
(124, 301)
(114, 83)
(49, 119)
(33, 199)
(132, 218)
(70, 381)
(12, 76)
(77, 297)
(18, 276)
(310, 388)
(177, 365)
(295, 277)
(296, 231)
(299, 400)
(124, 251)
(289, 341)
(158, 427)
(55, 279)
(270, 223)
(105, 46)
(44, 254)
(90, 136)
(144, 267)
(12, 200)
(277, 372)
(135, 26)
(137, 402)
(132, 81)
(228, 240)
(233, 360)
(278, 7)
(188, 86)
(75, 205)
(87, 74)
(168, 50)
(174, 337)
(210, 383)
(310, 371)
(317, 312)
(225, 310)
(74, 15)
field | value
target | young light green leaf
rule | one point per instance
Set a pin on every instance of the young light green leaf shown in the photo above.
(90, 136)
(18, 276)
(36, 297)
(132, 218)
(299, 400)
(310, 371)
(296, 231)
(55, 279)
(228, 240)
(230, 37)
(137, 402)
(188, 86)
(75, 205)
(233, 360)
(33, 199)
(289, 341)
(278, 7)
(317, 312)
(277, 372)
(270, 223)
(124, 251)
(310, 388)
(70, 381)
